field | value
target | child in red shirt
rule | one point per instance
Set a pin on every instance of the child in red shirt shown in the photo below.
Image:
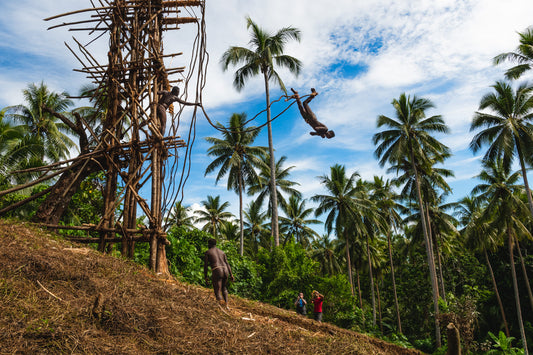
(317, 300)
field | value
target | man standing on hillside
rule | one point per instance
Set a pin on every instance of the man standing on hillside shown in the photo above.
(317, 300)
(220, 271)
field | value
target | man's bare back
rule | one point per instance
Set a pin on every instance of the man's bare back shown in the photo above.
(220, 271)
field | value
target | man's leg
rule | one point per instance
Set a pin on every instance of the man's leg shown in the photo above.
(162, 116)
(217, 283)
(225, 289)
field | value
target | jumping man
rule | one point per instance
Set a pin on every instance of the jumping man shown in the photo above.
(309, 117)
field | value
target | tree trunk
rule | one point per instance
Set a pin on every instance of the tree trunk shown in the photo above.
(524, 271)
(241, 250)
(524, 175)
(516, 293)
(430, 257)
(359, 292)
(379, 308)
(371, 283)
(348, 260)
(441, 276)
(454, 340)
(500, 304)
(394, 285)
(273, 190)
(55, 204)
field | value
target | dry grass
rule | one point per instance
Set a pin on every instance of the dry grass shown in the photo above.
(57, 297)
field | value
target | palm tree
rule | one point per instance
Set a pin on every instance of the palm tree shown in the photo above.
(324, 252)
(50, 132)
(262, 187)
(229, 230)
(478, 237)
(255, 224)
(523, 56)
(179, 216)
(372, 223)
(236, 157)
(339, 205)
(409, 137)
(214, 214)
(297, 223)
(386, 202)
(10, 138)
(265, 54)
(504, 214)
(508, 129)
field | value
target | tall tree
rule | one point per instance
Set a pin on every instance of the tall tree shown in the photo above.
(11, 154)
(324, 252)
(479, 237)
(523, 56)
(297, 221)
(409, 137)
(387, 202)
(236, 157)
(339, 206)
(507, 127)
(504, 214)
(179, 216)
(263, 187)
(265, 54)
(255, 225)
(41, 124)
(214, 214)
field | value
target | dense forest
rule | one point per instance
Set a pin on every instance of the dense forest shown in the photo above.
(396, 259)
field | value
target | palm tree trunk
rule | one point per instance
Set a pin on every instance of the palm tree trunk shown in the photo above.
(379, 308)
(524, 271)
(371, 283)
(435, 246)
(348, 260)
(441, 276)
(430, 257)
(516, 294)
(500, 304)
(524, 175)
(241, 222)
(273, 190)
(394, 285)
(360, 293)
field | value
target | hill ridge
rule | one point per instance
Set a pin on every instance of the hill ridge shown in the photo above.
(62, 298)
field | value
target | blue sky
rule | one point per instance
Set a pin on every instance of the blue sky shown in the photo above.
(359, 55)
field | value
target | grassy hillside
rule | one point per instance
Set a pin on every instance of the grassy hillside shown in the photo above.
(58, 297)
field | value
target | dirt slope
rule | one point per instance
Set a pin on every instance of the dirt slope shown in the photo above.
(57, 297)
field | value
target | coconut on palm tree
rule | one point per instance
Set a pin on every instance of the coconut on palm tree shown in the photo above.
(236, 157)
(409, 137)
(265, 55)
